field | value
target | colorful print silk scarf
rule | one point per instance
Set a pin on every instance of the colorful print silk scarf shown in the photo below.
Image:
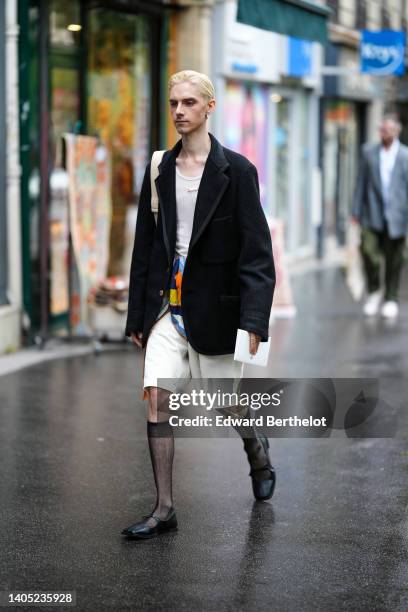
(175, 294)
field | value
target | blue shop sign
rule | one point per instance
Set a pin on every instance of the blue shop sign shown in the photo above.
(299, 57)
(382, 53)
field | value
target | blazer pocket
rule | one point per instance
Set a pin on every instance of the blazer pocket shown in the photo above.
(215, 219)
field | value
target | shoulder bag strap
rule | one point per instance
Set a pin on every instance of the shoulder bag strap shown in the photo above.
(154, 173)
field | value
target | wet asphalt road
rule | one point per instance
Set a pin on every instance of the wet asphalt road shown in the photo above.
(76, 470)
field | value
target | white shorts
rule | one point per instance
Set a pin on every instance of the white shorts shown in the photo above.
(168, 355)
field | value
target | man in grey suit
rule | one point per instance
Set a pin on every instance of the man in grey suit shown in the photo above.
(381, 208)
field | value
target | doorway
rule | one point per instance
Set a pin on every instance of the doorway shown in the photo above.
(343, 134)
(291, 155)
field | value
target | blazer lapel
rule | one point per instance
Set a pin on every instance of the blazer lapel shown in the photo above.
(396, 170)
(166, 191)
(213, 185)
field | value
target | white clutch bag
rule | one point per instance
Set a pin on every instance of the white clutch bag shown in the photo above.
(242, 350)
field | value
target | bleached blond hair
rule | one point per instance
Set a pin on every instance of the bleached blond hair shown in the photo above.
(205, 86)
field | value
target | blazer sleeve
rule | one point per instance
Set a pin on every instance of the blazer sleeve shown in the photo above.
(359, 192)
(145, 228)
(256, 265)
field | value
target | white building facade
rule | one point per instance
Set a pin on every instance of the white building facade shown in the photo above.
(268, 87)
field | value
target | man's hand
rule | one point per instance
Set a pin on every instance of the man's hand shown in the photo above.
(354, 220)
(254, 341)
(137, 338)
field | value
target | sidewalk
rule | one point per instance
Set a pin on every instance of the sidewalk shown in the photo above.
(76, 470)
(54, 349)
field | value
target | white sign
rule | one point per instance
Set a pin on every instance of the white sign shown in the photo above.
(246, 52)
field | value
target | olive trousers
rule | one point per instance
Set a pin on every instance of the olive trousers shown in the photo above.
(375, 248)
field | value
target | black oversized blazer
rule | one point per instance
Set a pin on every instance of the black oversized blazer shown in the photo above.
(229, 275)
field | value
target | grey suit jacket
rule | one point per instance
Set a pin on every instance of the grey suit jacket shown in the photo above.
(368, 199)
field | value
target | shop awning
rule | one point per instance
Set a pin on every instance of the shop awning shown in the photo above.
(299, 18)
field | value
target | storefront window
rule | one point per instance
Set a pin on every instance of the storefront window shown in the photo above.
(64, 66)
(119, 73)
(340, 164)
(64, 20)
(282, 147)
(94, 82)
(302, 207)
(292, 167)
(245, 125)
(29, 79)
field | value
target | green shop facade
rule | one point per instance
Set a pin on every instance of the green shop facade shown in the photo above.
(88, 67)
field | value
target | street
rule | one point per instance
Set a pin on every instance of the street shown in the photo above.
(76, 470)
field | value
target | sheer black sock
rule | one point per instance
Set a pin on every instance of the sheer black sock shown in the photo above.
(253, 447)
(161, 446)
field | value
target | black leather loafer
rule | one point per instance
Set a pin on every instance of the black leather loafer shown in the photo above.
(263, 479)
(143, 531)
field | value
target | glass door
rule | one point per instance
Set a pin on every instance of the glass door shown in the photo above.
(64, 71)
(302, 212)
(290, 182)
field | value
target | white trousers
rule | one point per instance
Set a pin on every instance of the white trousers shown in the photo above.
(168, 355)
